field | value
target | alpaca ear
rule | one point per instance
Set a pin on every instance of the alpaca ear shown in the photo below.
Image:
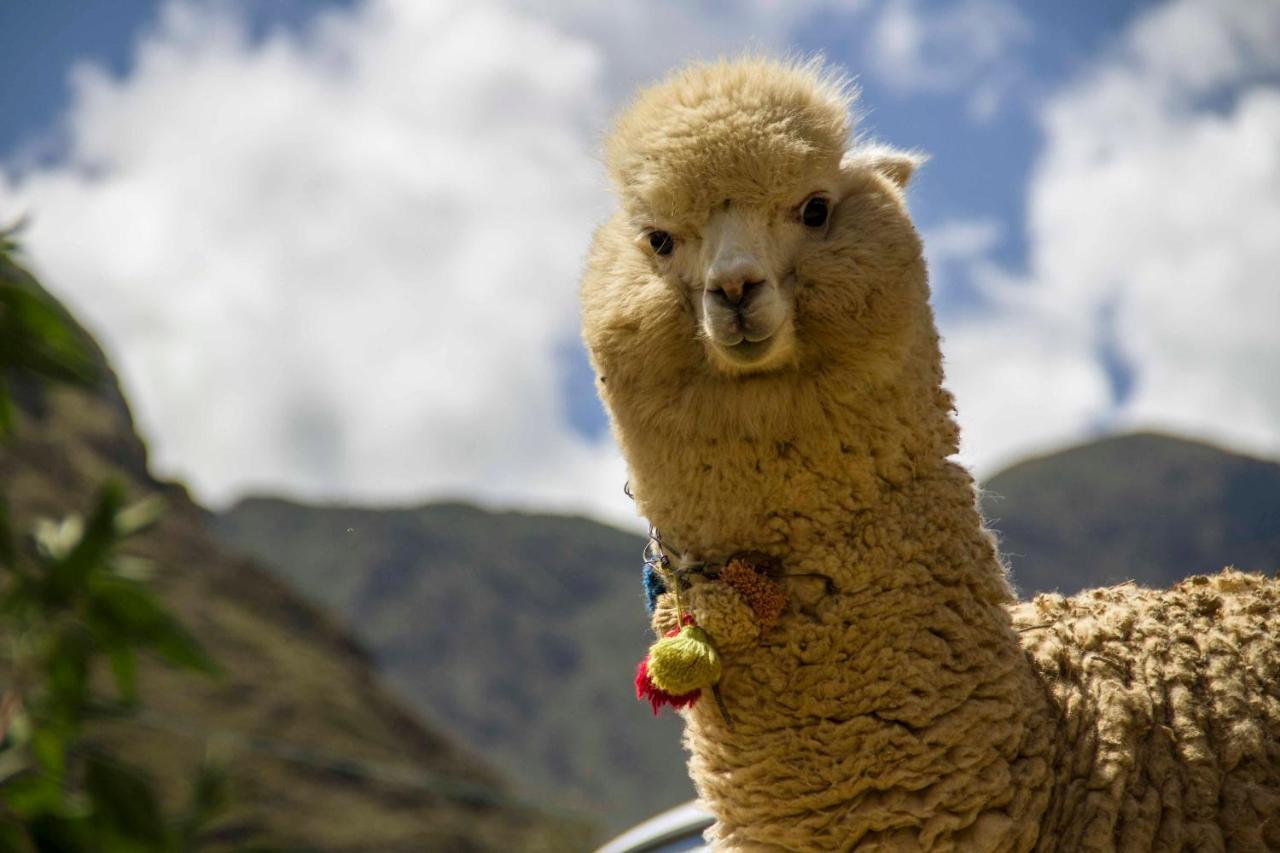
(897, 166)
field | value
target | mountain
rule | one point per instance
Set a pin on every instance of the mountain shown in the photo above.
(320, 755)
(1144, 507)
(517, 633)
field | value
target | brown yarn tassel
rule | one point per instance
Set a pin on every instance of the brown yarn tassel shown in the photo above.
(752, 579)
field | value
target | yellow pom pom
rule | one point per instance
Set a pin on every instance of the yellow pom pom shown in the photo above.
(684, 663)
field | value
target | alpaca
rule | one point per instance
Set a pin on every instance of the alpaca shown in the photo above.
(757, 315)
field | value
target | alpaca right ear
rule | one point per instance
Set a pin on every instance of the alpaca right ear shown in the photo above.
(897, 166)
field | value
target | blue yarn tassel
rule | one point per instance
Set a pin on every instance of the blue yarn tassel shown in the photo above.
(653, 586)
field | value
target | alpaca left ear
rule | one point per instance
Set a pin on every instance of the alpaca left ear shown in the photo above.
(897, 166)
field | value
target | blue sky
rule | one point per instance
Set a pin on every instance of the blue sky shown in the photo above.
(44, 41)
(209, 184)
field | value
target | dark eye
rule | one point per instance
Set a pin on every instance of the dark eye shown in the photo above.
(661, 242)
(814, 211)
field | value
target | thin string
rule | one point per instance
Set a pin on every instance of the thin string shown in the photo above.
(662, 564)
(655, 555)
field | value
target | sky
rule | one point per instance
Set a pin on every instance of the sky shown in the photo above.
(333, 248)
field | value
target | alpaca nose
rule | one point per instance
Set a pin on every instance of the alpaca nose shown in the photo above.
(735, 285)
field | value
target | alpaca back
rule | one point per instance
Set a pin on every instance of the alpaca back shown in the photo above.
(1169, 704)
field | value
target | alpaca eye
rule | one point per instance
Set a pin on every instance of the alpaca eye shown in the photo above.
(814, 212)
(661, 242)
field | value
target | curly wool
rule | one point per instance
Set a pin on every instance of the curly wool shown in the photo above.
(905, 700)
(1171, 713)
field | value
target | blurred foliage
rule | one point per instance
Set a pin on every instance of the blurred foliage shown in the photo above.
(318, 754)
(36, 336)
(73, 608)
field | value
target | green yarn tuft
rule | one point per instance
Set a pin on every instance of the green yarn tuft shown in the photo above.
(684, 663)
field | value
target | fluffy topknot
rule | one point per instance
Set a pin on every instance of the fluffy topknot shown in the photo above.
(747, 129)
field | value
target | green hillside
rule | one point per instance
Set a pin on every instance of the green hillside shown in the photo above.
(1144, 507)
(518, 633)
(320, 756)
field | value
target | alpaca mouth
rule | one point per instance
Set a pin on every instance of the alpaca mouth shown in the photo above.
(748, 345)
(748, 351)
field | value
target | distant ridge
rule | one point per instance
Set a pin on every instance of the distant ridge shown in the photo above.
(1145, 507)
(518, 633)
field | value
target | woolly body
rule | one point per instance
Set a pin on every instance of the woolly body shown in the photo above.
(904, 700)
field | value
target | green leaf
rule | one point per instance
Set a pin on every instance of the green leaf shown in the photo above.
(6, 410)
(37, 336)
(139, 516)
(180, 649)
(8, 554)
(12, 838)
(209, 798)
(67, 671)
(126, 612)
(121, 611)
(32, 795)
(124, 666)
(56, 539)
(50, 749)
(123, 799)
(132, 567)
(69, 574)
(9, 239)
(51, 832)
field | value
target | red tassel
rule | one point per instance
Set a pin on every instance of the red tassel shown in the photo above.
(646, 690)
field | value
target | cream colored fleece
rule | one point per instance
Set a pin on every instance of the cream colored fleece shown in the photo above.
(905, 701)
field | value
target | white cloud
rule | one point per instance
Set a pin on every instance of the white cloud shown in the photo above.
(957, 250)
(965, 46)
(1156, 204)
(962, 240)
(340, 263)
(644, 40)
(1025, 381)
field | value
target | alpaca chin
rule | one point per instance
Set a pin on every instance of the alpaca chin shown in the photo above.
(755, 356)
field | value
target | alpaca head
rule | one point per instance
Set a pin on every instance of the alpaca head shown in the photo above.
(753, 238)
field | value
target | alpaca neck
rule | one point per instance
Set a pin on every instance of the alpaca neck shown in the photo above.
(853, 491)
(773, 475)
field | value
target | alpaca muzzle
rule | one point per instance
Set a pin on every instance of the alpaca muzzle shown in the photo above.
(742, 304)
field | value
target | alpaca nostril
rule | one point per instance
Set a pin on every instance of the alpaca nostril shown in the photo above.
(726, 296)
(736, 294)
